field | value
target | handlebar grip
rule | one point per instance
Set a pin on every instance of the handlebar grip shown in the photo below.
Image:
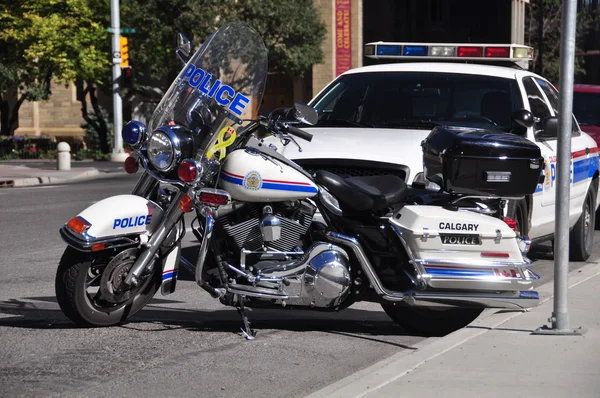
(300, 133)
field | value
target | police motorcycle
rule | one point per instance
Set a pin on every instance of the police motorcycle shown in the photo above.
(431, 263)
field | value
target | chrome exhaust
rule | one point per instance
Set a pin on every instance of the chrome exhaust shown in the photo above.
(507, 300)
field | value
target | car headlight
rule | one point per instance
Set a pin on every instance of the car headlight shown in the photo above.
(161, 151)
(420, 180)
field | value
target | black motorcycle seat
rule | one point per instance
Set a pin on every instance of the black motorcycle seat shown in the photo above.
(363, 193)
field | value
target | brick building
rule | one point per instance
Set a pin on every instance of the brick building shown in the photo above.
(350, 24)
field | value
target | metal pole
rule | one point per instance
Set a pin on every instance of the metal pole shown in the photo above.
(560, 315)
(118, 153)
(540, 57)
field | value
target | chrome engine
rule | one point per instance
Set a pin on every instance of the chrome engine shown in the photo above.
(276, 226)
(273, 264)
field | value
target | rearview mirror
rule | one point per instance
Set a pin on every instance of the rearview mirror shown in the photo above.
(549, 128)
(306, 114)
(184, 46)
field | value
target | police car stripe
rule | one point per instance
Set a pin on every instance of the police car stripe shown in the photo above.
(583, 168)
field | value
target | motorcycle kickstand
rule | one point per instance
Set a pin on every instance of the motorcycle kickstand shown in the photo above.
(246, 330)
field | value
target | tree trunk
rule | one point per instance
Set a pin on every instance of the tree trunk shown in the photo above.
(94, 117)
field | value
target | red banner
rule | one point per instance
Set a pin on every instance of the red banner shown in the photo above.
(343, 42)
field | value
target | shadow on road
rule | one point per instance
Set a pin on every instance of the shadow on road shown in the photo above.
(28, 313)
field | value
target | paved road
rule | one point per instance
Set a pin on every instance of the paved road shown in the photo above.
(185, 344)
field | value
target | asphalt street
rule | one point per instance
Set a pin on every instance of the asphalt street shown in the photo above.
(185, 344)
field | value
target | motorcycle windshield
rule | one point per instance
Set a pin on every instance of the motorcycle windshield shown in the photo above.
(223, 82)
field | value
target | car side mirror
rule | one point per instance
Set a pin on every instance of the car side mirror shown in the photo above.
(549, 128)
(523, 118)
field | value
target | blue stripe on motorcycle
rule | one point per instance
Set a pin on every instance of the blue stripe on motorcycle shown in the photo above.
(458, 272)
(169, 275)
(272, 185)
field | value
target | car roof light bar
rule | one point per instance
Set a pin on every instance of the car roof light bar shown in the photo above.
(448, 51)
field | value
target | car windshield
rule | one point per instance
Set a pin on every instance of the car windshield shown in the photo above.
(586, 108)
(418, 100)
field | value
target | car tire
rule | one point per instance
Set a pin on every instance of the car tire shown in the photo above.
(581, 239)
(518, 211)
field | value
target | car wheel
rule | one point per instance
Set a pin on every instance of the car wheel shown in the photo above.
(582, 235)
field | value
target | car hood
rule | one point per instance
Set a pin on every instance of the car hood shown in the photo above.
(397, 146)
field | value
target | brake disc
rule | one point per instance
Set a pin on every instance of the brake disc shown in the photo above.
(112, 287)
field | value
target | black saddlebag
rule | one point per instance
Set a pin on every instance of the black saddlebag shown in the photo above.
(482, 162)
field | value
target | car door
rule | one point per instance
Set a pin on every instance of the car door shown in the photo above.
(543, 209)
(580, 150)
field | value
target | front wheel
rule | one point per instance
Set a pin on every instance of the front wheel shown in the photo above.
(431, 321)
(90, 290)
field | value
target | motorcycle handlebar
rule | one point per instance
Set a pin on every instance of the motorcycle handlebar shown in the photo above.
(300, 133)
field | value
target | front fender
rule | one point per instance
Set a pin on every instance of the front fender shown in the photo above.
(117, 221)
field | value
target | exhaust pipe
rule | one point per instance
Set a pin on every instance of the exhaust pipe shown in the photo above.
(507, 300)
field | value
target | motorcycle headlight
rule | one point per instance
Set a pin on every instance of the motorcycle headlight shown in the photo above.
(160, 151)
(168, 145)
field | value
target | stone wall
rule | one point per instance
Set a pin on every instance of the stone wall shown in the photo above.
(60, 116)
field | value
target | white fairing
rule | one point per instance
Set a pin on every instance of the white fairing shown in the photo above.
(255, 177)
(421, 227)
(122, 215)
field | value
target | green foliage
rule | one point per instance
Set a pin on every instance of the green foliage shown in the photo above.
(63, 39)
(551, 31)
(45, 40)
(291, 30)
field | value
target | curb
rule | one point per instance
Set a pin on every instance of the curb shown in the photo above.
(30, 181)
(380, 374)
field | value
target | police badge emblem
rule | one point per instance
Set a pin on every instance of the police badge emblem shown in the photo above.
(252, 181)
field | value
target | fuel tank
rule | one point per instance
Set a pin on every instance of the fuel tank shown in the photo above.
(252, 176)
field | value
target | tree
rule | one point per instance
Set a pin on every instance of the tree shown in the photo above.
(543, 32)
(60, 40)
(291, 30)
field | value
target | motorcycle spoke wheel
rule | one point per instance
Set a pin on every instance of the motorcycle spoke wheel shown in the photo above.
(90, 288)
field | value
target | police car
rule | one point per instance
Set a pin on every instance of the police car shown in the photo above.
(372, 120)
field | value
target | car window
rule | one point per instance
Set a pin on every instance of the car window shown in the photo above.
(539, 107)
(414, 99)
(552, 95)
(586, 107)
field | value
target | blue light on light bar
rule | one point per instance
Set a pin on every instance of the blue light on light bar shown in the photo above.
(415, 50)
(385, 49)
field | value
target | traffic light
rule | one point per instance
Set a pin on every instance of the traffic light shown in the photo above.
(124, 52)
(127, 77)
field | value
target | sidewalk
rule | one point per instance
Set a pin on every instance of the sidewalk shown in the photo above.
(497, 356)
(21, 176)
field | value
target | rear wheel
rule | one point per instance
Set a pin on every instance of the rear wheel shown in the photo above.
(90, 289)
(431, 321)
(582, 235)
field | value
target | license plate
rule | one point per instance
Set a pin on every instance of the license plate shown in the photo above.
(459, 239)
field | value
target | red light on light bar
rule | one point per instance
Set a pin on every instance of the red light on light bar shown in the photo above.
(470, 51)
(497, 52)
(494, 254)
(213, 198)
